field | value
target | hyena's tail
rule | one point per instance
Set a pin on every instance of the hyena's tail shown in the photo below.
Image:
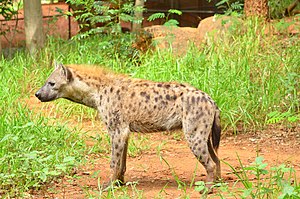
(216, 131)
(214, 142)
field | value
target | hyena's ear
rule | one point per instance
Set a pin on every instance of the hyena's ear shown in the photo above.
(64, 71)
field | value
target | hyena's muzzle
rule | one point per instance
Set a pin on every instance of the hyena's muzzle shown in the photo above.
(46, 93)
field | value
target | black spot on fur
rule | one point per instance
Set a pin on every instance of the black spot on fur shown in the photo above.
(195, 129)
(182, 85)
(159, 85)
(167, 86)
(206, 108)
(143, 93)
(193, 100)
(132, 94)
(168, 97)
(203, 99)
(156, 99)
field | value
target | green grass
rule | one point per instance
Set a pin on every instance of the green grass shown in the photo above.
(33, 151)
(251, 77)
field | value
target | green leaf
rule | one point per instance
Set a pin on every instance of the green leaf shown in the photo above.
(155, 16)
(171, 22)
(174, 11)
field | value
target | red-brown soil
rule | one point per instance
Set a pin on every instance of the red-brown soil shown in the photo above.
(277, 144)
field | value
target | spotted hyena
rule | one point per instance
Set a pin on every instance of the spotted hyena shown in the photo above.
(135, 105)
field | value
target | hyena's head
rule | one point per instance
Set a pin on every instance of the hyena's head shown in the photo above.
(55, 84)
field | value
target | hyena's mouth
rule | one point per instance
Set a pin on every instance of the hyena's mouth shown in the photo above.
(44, 98)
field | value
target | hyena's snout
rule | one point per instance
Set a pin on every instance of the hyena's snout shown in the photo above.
(45, 96)
(40, 95)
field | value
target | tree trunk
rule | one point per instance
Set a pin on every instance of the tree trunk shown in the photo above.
(0, 47)
(256, 8)
(136, 27)
(33, 25)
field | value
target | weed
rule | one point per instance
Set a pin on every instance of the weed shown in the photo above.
(273, 183)
(276, 117)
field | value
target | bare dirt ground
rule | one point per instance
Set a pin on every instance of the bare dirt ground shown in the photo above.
(151, 175)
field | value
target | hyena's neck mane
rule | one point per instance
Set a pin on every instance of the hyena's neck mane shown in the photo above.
(95, 76)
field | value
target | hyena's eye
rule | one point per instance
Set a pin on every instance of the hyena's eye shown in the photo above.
(51, 84)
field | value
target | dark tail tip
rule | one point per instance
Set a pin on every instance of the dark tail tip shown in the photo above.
(216, 131)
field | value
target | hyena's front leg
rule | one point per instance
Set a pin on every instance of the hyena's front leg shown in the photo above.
(119, 145)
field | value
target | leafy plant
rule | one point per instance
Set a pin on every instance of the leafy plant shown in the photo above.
(231, 7)
(273, 183)
(168, 21)
(277, 8)
(276, 117)
(97, 17)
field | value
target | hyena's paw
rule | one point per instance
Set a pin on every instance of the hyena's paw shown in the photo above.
(112, 185)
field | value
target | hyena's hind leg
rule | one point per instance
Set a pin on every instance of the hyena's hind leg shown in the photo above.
(197, 137)
(119, 145)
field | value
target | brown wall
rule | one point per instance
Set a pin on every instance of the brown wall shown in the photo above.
(57, 26)
(64, 27)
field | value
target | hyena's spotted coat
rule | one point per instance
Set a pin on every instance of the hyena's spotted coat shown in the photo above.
(134, 105)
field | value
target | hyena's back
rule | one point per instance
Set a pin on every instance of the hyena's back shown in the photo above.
(154, 106)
